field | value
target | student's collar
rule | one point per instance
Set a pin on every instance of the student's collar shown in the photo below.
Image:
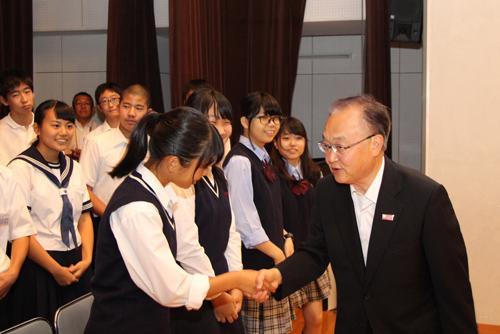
(261, 153)
(161, 192)
(121, 136)
(35, 158)
(13, 124)
(294, 171)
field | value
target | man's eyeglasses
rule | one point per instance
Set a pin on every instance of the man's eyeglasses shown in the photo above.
(339, 149)
(266, 119)
(114, 101)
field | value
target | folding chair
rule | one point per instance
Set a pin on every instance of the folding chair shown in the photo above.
(33, 326)
(73, 317)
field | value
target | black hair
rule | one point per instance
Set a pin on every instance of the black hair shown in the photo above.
(192, 86)
(182, 132)
(310, 170)
(104, 87)
(82, 94)
(11, 78)
(216, 145)
(62, 110)
(203, 98)
(251, 104)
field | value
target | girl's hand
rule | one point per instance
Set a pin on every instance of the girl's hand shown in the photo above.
(238, 298)
(64, 276)
(252, 287)
(7, 279)
(79, 268)
(279, 257)
(289, 248)
(226, 312)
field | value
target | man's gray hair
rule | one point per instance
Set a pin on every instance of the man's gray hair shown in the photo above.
(375, 113)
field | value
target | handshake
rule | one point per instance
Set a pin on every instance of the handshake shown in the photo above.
(259, 285)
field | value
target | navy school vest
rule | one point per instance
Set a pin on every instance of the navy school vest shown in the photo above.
(119, 305)
(213, 217)
(267, 200)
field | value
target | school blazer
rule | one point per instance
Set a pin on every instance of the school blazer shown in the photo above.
(416, 278)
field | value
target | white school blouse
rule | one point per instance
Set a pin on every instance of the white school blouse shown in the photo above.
(137, 228)
(187, 230)
(43, 199)
(100, 155)
(15, 220)
(190, 254)
(238, 172)
(14, 139)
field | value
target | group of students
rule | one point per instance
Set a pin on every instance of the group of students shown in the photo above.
(179, 219)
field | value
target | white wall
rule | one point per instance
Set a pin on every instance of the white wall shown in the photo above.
(462, 78)
(331, 67)
(69, 47)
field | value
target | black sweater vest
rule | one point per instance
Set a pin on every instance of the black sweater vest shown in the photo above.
(296, 211)
(267, 200)
(213, 217)
(119, 305)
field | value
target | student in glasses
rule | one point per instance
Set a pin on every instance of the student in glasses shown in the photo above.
(56, 270)
(103, 152)
(107, 97)
(137, 279)
(254, 190)
(299, 175)
(216, 229)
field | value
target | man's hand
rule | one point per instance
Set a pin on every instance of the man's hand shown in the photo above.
(269, 279)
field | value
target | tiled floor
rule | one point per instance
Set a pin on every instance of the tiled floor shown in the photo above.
(329, 325)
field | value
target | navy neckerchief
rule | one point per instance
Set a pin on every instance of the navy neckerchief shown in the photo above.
(33, 157)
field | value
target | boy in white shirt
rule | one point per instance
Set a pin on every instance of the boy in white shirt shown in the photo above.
(103, 152)
(107, 97)
(16, 129)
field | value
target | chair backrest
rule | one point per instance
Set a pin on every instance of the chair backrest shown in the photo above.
(34, 326)
(73, 317)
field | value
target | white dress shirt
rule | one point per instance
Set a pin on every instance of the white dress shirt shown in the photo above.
(81, 132)
(100, 155)
(190, 254)
(15, 220)
(43, 198)
(138, 230)
(14, 139)
(104, 127)
(364, 207)
(238, 172)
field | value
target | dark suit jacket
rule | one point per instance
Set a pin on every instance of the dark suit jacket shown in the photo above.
(416, 278)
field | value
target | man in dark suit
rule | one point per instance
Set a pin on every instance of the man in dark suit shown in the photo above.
(390, 233)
